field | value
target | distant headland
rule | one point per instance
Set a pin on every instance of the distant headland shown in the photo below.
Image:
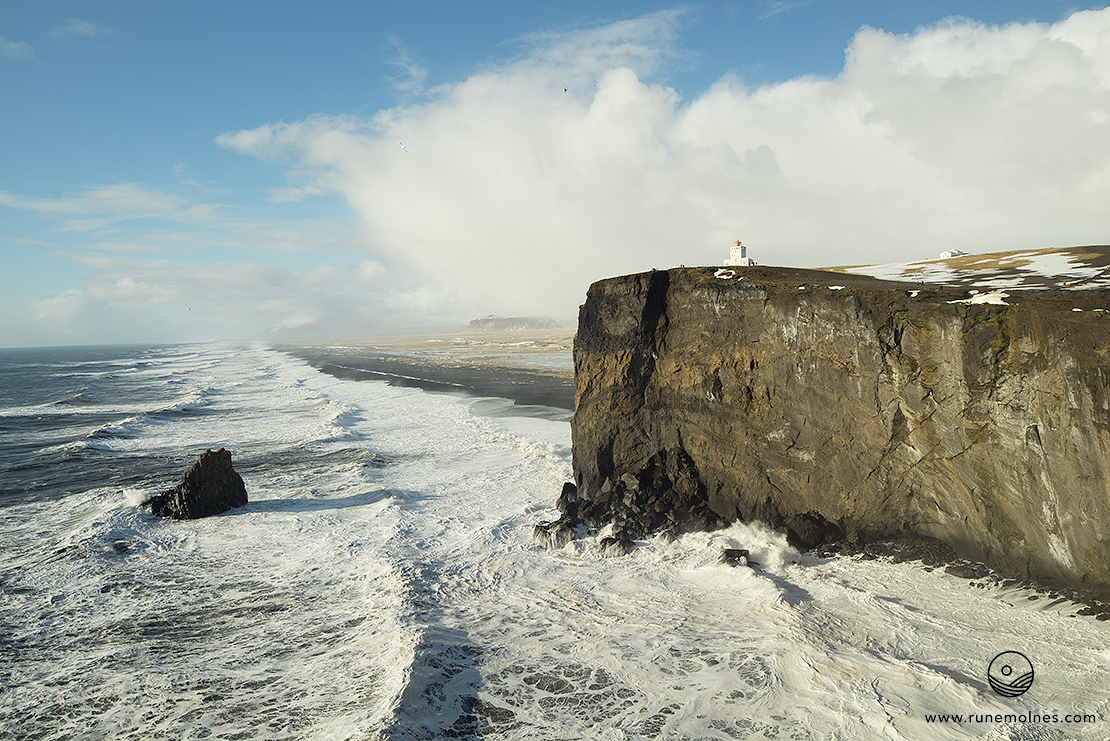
(493, 323)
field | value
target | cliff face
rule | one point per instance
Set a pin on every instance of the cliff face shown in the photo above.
(844, 407)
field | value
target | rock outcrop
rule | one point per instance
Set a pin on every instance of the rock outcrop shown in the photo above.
(846, 408)
(210, 487)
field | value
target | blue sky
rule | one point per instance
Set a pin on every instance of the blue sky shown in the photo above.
(203, 170)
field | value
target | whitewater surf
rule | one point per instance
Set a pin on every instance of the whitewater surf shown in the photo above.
(382, 583)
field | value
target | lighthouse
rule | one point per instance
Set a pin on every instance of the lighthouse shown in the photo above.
(739, 255)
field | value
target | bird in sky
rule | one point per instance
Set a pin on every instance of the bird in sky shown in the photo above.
(404, 147)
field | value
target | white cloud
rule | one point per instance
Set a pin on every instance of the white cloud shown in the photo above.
(75, 28)
(642, 44)
(59, 309)
(156, 265)
(149, 299)
(126, 289)
(778, 7)
(370, 271)
(413, 72)
(139, 218)
(102, 206)
(133, 248)
(513, 195)
(35, 242)
(15, 49)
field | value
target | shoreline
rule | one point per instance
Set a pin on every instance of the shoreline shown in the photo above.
(534, 391)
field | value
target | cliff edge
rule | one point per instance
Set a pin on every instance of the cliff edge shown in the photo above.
(847, 407)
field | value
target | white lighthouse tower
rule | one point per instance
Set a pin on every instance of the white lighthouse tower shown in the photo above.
(739, 256)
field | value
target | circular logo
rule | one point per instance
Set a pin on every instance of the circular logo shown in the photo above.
(1010, 674)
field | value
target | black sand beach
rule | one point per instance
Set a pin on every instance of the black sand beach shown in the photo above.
(527, 387)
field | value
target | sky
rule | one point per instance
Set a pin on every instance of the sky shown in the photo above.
(175, 172)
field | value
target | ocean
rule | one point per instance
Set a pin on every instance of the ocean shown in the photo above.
(382, 582)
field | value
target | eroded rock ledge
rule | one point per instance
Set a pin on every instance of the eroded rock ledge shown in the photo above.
(845, 408)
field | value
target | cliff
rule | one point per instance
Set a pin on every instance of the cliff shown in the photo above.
(847, 408)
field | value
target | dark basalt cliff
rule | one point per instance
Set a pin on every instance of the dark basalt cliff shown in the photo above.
(841, 407)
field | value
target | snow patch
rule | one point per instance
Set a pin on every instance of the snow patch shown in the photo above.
(1036, 269)
(994, 297)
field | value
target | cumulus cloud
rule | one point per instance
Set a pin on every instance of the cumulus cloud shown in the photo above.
(514, 195)
(511, 196)
(15, 49)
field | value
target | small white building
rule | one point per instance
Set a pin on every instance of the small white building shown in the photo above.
(739, 256)
(952, 253)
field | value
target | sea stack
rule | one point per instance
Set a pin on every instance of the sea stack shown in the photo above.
(844, 408)
(210, 487)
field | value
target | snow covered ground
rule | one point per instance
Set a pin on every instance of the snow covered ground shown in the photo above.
(1054, 267)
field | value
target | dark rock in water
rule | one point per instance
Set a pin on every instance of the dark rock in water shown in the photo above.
(966, 570)
(929, 551)
(619, 545)
(553, 535)
(734, 557)
(210, 487)
(664, 495)
(568, 502)
(666, 536)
